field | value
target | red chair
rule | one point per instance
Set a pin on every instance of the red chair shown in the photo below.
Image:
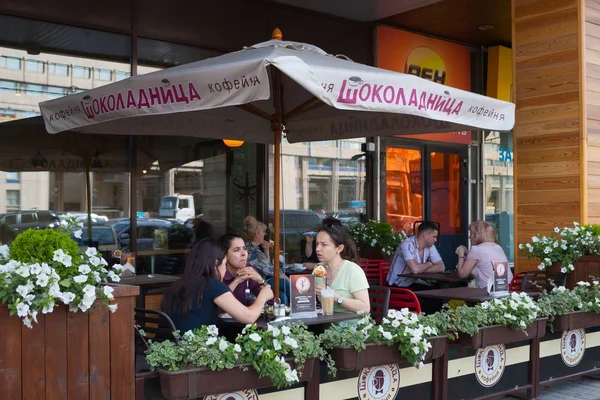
(384, 269)
(371, 268)
(404, 298)
(515, 284)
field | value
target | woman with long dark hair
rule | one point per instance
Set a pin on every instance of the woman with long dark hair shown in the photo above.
(195, 299)
(337, 252)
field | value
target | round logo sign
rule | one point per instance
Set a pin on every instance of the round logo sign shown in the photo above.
(490, 364)
(303, 284)
(381, 382)
(248, 394)
(572, 347)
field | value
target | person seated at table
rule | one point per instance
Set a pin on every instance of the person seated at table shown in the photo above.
(244, 281)
(196, 298)
(416, 255)
(337, 251)
(308, 245)
(484, 251)
(258, 248)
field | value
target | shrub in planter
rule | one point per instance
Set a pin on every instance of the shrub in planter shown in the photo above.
(377, 234)
(44, 268)
(581, 304)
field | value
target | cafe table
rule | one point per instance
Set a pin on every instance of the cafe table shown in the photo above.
(466, 294)
(444, 279)
(147, 284)
(320, 319)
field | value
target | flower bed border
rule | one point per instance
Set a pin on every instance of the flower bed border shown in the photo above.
(498, 334)
(348, 359)
(576, 320)
(192, 383)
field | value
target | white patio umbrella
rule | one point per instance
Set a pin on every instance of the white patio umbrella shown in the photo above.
(284, 83)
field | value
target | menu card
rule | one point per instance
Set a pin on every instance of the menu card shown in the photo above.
(303, 302)
(500, 277)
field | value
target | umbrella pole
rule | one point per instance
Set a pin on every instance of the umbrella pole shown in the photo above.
(88, 195)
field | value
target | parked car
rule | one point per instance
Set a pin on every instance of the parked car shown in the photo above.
(20, 221)
(104, 238)
(293, 224)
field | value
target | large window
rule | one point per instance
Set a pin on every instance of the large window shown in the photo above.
(82, 72)
(58, 69)
(103, 74)
(499, 187)
(34, 66)
(10, 62)
(13, 200)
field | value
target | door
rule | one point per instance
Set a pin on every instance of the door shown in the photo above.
(428, 182)
(447, 201)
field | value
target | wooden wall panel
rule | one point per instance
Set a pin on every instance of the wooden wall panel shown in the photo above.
(592, 100)
(548, 146)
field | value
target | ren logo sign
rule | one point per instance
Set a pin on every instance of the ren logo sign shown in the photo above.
(427, 64)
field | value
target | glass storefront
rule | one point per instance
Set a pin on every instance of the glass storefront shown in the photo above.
(499, 188)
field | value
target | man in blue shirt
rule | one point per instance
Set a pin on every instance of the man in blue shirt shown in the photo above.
(416, 255)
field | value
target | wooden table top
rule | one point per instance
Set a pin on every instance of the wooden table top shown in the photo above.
(438, 276)
(143, 280)
(467, 294)
(319, 320)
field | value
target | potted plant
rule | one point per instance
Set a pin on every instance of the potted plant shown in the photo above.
(376, 239)
(400, 338)
(572, 309)
(277, 356)
(500, 321)
(567, 250)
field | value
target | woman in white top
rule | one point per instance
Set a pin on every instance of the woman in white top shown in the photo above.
(478, 261)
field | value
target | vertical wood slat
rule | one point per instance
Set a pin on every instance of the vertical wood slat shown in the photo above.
(56, 353)
(78, 356)
(122, 355)
(99, 354)
(10, 356)
(33, 368)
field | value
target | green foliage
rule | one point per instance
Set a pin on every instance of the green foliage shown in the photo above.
(377, 234)
(39, 245)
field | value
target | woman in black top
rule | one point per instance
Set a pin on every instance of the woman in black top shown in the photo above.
(195, 299)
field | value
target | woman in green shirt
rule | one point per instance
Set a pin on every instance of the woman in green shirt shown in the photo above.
(337, 251)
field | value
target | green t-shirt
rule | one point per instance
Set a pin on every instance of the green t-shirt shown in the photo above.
(351, 278)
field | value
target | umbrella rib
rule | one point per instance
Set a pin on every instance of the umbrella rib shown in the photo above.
(302, 108)
(252, 109)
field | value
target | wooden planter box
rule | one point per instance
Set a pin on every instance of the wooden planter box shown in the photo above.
(197, 382)
(374, 253)
(576, 320)
(584, 267)
(498, 334)
(70, 355)
(348, 359)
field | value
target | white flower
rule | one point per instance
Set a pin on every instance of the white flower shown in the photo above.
(42, 280)
(556, 229)
(237, 348)
(113, 277)
(67, 297)
(48, 308)
(420, 365)
(212, 330)
(22, 309)
(54, 290)
(108, 292)
(89, 290)
(84, 269)
(596, 283)
(563, 270)
(582, 283)
(276, 345)
(387, 335)
(78, 233)
(35, 269)
(395, 323)
(291, 342)
(521, 246)
(542, 267)
(4, 251)
(91, 251)
(46, 269)
(188, 335)
(80, 278)
(211, 340)
(535, 239)
(27, 322)
(95, 261)
(255, 337)
(23, 290)
(485, 305)
(223, 345)
(286, 330)
(291, 375)
(416, 349)
(113, 307)
(23, 271)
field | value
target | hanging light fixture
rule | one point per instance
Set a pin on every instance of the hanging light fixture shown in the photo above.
(233, 143)
(39, 161)
(96, 163)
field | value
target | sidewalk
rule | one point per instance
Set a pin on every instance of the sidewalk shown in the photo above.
(578, 389)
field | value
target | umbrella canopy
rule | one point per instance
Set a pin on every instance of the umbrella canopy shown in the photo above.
(285, 83)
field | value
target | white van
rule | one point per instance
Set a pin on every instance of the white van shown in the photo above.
(178, 206)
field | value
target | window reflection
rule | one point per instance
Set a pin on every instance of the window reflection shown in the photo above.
(404, 187)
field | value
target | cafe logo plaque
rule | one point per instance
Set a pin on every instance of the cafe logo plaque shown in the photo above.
(381, 382)
(490, 363)
(248, 394)
(303, 301)
(572, 347)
